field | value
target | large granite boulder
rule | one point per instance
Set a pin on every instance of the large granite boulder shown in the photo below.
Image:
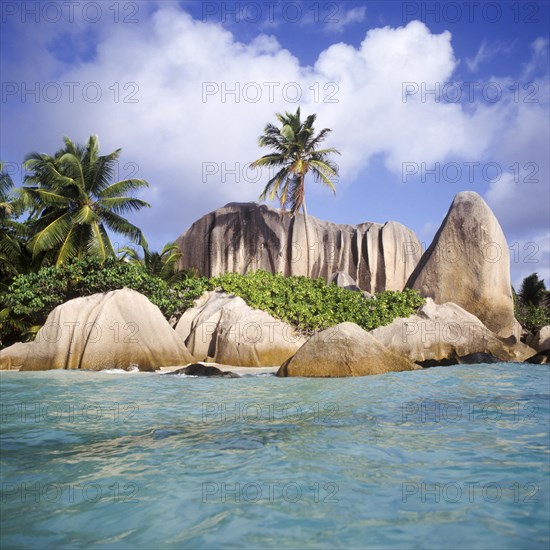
(222, 328)
(118, 329)
(446, 332)
(243, 237)
(343, 350)
(468, 263)
(541, 340)
(13, 357)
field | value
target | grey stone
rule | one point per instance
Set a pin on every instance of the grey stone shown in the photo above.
(446, 331)
(119, 329)
(343, 280)
(243, 237)
(343, 350)
(222, 328)
(468, 263)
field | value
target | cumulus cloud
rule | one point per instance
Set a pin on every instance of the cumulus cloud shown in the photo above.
(187, 101)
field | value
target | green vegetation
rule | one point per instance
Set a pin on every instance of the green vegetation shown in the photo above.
(295, 152)
(62, 249)
(31, 297)
(72, 203)
(532, 303)
(308, 304)
(13, 257)
(64, 210)
(311, 304)
(157, 264)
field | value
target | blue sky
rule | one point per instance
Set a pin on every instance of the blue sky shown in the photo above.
(424, 99)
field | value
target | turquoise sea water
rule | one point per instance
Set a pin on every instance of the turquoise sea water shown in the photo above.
(454, 457)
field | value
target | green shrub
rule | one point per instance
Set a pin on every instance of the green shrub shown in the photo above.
(31, 297)
(311, 305)
(308, 304)
(531, 317)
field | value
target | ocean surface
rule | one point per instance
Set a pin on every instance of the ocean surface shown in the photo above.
(449, 457)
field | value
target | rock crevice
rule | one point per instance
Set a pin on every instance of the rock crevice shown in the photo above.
(244, 237)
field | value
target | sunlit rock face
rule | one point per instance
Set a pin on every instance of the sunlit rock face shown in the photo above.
(468, 263)
(243, 237)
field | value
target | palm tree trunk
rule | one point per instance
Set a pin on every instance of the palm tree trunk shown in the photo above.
(306, 226)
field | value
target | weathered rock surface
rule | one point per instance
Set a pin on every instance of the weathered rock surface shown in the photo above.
(243, 237)
(468, 263)
(343, 280)
(118, 329)
(198, 369)
(12, 358)
(343, 350)
(541, 358)
(471, 359)
(222, 328)
(541, 340)
(446, 331)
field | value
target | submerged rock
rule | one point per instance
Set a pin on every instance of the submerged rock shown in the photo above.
(243, 237)
(468, 263)
(343, 350)
(541, 358)
(119, 329)
(471, 359)
(198, 369)
(223, 329)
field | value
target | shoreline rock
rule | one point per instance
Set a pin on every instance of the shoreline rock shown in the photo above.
(468, 263)
(439, 332)
(198, 369)
(243, 237)
(117, 329)
(343, 350)
(222, 328)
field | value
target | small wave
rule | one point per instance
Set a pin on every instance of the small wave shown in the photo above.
(256, 374)
(131, 370)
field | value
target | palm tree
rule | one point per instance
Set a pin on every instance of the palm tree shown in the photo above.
(162, 265)
(533, 290)
(295, 152)
(11, 231)
(73, 203)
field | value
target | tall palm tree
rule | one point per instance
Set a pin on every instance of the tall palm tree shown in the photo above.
(11, 231)
(73, 203)
(295, 152)
(162, 265)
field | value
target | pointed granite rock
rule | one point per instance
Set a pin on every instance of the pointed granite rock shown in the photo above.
(468, 263)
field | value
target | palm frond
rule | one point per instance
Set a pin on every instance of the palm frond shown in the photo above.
(52, 235)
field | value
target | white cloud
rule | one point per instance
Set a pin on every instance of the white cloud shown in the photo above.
(176, 131)
(345, 18)
(485, 54)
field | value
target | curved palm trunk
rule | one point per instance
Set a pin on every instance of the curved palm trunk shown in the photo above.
(306, 226)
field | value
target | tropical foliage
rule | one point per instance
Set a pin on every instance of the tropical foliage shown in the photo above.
(308, 304)
(532, 303)
(31, 297)
(162, 264)
(12, 245)
(72, 202)
(295, 153)
(311, 304)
